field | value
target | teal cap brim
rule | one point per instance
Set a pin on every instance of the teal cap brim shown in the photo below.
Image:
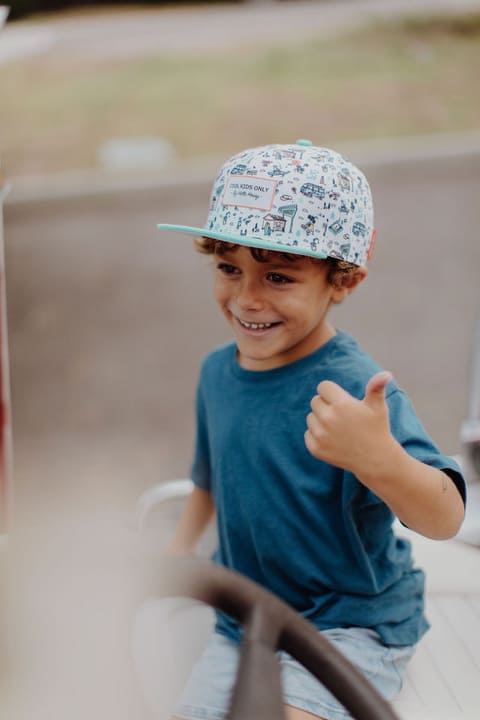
(261, 243)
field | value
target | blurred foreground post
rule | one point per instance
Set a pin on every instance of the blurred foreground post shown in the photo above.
(5, 419)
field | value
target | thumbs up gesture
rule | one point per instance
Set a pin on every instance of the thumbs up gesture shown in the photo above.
(350, 433)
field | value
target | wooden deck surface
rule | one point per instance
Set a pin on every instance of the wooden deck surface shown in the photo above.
(443, 680)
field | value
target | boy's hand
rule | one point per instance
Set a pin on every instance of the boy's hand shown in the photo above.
(349, 433)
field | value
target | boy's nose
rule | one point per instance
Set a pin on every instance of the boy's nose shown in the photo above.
(249, 296)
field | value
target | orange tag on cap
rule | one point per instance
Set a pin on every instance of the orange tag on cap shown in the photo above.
(372, 244)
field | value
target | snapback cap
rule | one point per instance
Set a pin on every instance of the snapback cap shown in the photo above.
(294, 198)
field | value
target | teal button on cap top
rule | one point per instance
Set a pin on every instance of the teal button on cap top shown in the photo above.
(307, 143)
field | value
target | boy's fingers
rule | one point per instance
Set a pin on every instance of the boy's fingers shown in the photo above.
(318, 404)
(313, 423)
(330, 392)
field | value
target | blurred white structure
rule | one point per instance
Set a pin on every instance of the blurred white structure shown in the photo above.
(136, 153)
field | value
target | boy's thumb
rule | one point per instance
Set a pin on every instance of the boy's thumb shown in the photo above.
(375, 390)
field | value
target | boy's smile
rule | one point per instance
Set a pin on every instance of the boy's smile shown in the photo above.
(277, 309)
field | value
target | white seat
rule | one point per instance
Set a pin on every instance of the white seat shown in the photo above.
(158, 495)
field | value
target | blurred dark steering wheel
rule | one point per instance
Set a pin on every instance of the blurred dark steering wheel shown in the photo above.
(269, 625)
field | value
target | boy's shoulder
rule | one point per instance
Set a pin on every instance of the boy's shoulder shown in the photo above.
(348, 365)
(218, 357)
(340, 360)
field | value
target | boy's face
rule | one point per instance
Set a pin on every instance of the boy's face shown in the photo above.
(277, 309)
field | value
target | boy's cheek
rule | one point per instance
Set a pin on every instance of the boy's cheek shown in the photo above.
(219, 293)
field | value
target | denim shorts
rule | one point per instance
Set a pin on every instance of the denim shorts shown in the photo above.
(208, 690)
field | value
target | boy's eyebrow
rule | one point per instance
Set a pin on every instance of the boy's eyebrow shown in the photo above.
(283, 263)
(224, 253)
(280, 261)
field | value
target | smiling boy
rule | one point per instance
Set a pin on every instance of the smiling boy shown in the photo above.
(306, 450)
(277, 307)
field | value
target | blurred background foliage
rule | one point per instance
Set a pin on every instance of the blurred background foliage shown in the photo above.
(408, 76)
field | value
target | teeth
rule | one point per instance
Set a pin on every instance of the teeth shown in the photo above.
(256, 326)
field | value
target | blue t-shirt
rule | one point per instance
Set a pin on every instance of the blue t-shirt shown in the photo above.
(307, 531)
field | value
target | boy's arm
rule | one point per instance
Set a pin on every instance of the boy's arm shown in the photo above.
(355, 435)
(196, 515)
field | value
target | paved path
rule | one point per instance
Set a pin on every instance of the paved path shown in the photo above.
(129, 34)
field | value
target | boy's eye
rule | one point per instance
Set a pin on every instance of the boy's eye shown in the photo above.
(278, 278)
(226, 268)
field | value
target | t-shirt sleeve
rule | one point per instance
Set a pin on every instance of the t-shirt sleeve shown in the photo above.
(410, 433)
(200, 469)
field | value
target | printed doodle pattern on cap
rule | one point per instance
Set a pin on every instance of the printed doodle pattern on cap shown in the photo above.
(306, 199)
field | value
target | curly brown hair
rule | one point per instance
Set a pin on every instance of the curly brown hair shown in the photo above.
(339, 271)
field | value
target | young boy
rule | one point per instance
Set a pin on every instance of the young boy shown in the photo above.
(305, 449)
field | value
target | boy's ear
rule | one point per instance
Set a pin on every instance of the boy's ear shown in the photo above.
(349, 282)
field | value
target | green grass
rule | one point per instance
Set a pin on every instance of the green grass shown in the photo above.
(409, 77)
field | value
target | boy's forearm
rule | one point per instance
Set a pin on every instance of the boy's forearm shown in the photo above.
(421, 496)
(196, 515)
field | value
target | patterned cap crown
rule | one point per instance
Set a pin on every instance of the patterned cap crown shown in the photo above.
(296, 198)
